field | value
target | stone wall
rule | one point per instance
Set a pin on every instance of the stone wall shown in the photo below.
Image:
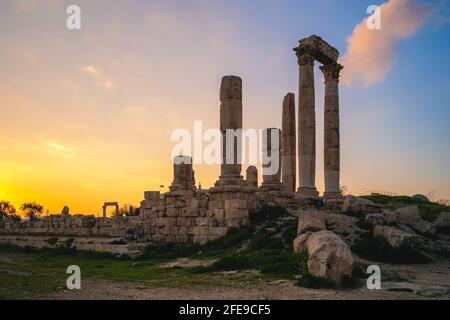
(184, 216)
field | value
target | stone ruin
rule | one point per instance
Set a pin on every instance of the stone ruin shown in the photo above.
(186, 214)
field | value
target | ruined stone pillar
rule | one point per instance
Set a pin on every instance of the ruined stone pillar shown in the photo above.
(252, 177)
(271, 159)
(183, 175)
(306, 125)
(331, 134)
(104, 211)
(288, 141)
(231, 118)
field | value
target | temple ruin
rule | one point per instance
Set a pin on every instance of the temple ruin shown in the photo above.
(186, 214)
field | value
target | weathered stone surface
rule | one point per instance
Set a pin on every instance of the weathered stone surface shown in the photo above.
(329, 257)
(288, 144)
(299, 244)
(252, 176)
(271, 160)
(442, 222)
(375, 219)
(310, 222)
(394, 236)
(331, 131)
(230, 119)
(410, 216)
(355, 205)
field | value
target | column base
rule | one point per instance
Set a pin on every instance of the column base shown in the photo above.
(230, 180)
(273, 186)
(307, 192)
(333, 199)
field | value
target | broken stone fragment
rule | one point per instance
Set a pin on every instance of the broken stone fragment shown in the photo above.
(410, 216)
(353, 205)
(310, 222)
(395, 237)
(329, 257)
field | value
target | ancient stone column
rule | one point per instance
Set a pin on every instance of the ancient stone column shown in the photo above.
(252, 177)
(331, 134)
(183, 175)
(288, 141)
(271, 159)
(231, 120)
(306, 125)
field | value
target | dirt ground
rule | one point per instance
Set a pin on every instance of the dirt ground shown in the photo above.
(430, 281)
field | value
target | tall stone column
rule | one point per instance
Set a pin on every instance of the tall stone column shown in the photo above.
(288, 141)
(331, 134)
(231, 118)
(271, 160)
(306, 126)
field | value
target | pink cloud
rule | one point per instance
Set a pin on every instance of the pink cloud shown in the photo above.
(371, 53)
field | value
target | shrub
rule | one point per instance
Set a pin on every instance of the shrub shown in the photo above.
(52, 241)
(267, 213)
(379, 250)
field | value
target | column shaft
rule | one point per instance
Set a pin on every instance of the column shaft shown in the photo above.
(307, 127)
(331, 133)
(231, 118)
(288, 141)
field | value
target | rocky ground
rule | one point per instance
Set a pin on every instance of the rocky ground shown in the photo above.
(310, 244)
(430, 281)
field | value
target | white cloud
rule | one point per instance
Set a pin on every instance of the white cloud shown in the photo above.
(371, 53)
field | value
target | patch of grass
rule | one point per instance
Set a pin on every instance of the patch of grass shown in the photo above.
(267, 213)
(52, 241)
(290, 231)
(263, 240)
(379, 250)
(234, 238)
(428, 210)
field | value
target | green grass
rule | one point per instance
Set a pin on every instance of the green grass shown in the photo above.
(379, 250)
(266, 246)
(428, 210)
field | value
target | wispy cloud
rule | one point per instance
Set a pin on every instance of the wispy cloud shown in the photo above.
(60, 149)
(99, 77)
(371, 53)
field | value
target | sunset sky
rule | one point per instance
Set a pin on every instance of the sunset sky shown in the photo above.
(86, 116)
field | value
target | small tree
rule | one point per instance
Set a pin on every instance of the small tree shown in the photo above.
(127, 210)
(32, 210)
(7, 210)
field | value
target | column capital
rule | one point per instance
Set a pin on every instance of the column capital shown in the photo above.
(305, 55)
(331, 71)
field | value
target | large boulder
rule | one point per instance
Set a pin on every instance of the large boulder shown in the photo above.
(310, 222)
(410, 216)
(329, 256)
(442, 222)
(357, 205)
(394, 236)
